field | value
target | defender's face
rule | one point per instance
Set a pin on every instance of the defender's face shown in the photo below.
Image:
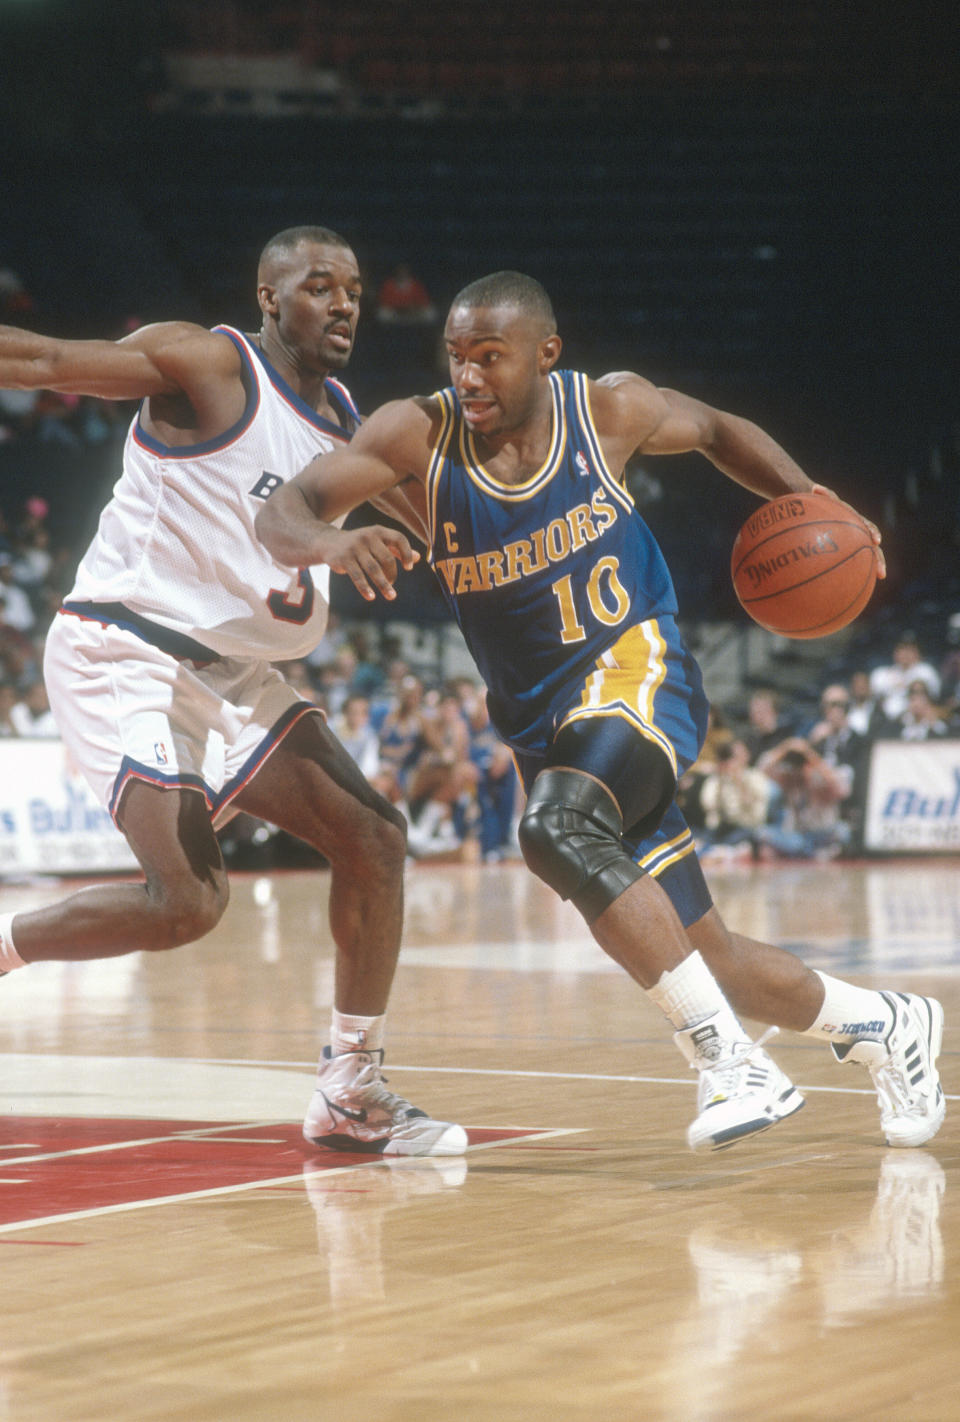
(317, 304)
(498, 359)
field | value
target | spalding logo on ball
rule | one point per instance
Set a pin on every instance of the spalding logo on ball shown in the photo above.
(804, 565)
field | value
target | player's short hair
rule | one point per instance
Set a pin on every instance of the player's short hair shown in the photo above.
(510, 289)
(283, 243)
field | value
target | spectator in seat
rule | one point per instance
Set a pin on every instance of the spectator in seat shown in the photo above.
(402, 733)
(32, 716)
(735, 797)
(766, 725)
(497, 783)
(890, 683)
(355, 732)
(843, 748)
(950, 668)
(923, 719)
(865, 715)
(18, 610)
(809, 825)
(404, 300)
(8, 699)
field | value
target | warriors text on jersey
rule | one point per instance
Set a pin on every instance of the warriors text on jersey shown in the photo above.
(545, 576)
(176, 544)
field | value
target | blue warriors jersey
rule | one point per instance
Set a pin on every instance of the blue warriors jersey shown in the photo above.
(544, 577)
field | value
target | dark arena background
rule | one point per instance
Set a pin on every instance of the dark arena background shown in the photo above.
(753, 202)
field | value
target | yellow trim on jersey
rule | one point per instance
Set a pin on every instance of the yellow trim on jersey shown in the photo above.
(514, 493)
(624, 683)
(616, 486)
(435, 467)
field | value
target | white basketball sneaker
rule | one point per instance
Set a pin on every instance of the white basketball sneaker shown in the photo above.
(352, 1110)
(741, 1090)
(903, 1067)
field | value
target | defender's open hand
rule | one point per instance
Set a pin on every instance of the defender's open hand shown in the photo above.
(371, 557)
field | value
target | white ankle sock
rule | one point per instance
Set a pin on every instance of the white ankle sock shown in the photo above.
(689, 993)
(848, 1012)
(355, 1034)
(9, 957)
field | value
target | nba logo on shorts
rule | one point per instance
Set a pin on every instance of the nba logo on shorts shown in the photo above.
(160, 751)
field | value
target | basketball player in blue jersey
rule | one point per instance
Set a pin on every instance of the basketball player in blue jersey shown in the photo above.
(159, 662)
(513, 478)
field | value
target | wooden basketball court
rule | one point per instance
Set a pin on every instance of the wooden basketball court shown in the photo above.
(171, 1252)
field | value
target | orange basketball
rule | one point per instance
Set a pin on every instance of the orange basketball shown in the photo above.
(804, 565)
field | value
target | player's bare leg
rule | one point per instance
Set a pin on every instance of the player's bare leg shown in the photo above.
(641, 931)
(571, 836)
(741, 1090)
(182, 897)
(762, 982)
(310, 787)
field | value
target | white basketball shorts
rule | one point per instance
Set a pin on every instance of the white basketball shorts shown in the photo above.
(127, 710)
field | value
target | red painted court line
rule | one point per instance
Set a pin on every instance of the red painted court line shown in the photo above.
(90, 1165)
(50, 1243)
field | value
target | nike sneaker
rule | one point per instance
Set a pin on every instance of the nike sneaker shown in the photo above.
(353, 1110)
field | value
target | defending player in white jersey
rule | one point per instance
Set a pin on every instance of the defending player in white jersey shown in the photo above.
(158, 664)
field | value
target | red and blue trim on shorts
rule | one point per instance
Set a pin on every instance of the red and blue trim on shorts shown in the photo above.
(216, 801)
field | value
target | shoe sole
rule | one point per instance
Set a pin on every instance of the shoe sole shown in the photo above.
(347, 1143)
(790, 1104)
(453, 1141)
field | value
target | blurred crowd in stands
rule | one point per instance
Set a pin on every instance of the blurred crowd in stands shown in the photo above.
(783, 784)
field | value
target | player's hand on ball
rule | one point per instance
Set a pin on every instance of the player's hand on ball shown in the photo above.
(874, 530)
(805, 564)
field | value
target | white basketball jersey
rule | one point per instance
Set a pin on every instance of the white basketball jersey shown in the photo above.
(176, 543)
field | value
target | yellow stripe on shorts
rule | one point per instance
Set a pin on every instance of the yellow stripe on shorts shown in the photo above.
(625, 682)
(668, 853)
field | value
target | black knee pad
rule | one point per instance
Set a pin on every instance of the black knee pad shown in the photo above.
(570, 835)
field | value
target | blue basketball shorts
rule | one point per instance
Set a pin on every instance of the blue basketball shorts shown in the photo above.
(645, 690)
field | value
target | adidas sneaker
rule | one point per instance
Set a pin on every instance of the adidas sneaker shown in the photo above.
(353, 1110)
(903, 1066)
(741, 1090)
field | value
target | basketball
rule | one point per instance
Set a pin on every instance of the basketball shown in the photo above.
(804, 565)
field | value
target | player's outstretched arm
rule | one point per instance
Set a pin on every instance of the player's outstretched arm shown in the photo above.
(297, 524)
(647, 419)
(653, 420)
(161, 359)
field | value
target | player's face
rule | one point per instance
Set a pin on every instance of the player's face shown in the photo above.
(317, 295)
(498, 361)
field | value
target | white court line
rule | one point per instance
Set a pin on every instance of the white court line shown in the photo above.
(545, 1075)
(16, 1227)
(311, 1066)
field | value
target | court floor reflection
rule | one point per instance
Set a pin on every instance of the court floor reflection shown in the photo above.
(896, 1256)
(352, 1213)
(763, 1287)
